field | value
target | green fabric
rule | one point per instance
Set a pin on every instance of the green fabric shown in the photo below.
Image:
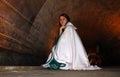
(56, 41)
(54, 65)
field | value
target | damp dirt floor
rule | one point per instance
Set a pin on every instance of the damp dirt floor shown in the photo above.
(38, 71)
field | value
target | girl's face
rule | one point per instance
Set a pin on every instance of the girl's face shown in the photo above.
(63, 20)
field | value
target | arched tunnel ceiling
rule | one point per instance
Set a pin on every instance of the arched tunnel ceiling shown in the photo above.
(25, 7)
(16, 19)
(32, 25)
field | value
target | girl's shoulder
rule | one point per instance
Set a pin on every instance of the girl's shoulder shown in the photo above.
(70, 25)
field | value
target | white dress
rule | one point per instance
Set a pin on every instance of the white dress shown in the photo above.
(69, 52)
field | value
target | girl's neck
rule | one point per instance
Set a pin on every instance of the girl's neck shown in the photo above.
(63, 26)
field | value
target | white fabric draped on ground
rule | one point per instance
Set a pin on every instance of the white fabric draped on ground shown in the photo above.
(69, 52)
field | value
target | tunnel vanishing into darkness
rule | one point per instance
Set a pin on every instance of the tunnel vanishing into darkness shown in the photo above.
(28, 28)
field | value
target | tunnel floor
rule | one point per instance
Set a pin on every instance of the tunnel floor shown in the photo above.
(38, 71)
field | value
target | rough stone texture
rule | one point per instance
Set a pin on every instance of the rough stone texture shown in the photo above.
(10, 58)
(37, 71)
(31, 26)
(16, 18)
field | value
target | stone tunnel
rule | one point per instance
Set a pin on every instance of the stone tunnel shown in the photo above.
(28, 29)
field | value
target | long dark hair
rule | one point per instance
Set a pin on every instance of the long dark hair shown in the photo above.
(66, 16)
